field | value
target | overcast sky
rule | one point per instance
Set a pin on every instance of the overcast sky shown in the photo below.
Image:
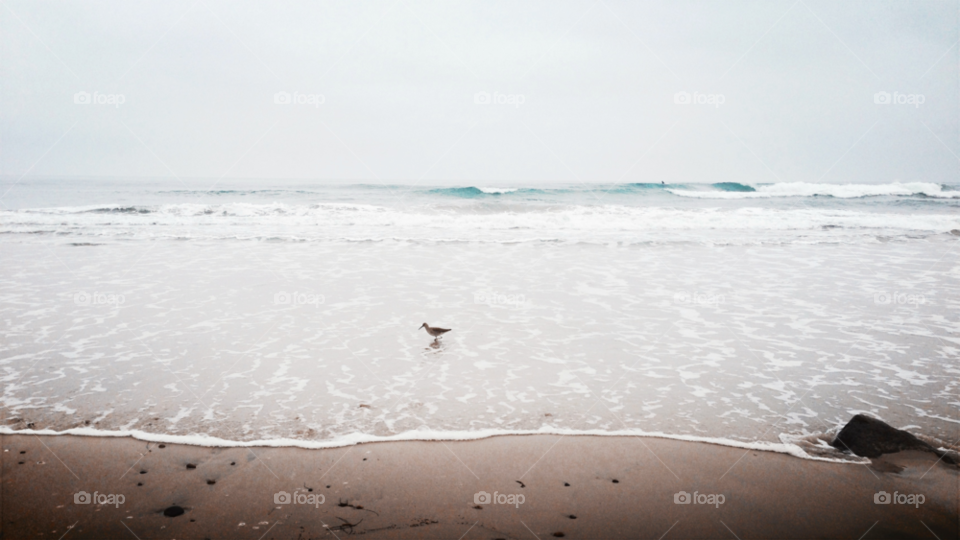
(504, 93)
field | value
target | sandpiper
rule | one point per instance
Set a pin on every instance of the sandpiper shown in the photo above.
(433, 331)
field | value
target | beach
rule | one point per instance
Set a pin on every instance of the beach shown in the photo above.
(479, 270)
(540, 486)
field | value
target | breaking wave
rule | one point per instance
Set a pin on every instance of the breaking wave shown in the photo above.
(803, 189)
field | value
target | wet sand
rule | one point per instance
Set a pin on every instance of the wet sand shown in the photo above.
(570, 487)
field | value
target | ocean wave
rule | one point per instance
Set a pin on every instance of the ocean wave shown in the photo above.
(545, 217)
(717, 190)
(474, 191)
(198, 209)
(733, 187)
(803, 189)
(644, 187)
(720, 190)
(471, 192)
(601, 224)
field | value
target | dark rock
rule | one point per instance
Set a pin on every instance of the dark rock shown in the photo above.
(173, 511)
(869, 437)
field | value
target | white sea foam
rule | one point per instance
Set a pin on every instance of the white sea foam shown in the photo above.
(601, 223)
(427, 435)
(630, 302)
(724, 348)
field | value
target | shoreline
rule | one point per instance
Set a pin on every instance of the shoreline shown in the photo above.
(354, 439)
(616, 487)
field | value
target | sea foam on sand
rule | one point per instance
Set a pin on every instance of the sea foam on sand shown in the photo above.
(423, 435)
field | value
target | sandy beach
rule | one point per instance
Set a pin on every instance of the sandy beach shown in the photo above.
(538, 486)
(473, 270)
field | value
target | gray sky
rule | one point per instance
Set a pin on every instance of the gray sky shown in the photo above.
(587, 91)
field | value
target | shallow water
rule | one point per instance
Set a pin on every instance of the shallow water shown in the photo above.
(293, 315)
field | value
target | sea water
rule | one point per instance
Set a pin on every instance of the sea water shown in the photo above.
(287, 312)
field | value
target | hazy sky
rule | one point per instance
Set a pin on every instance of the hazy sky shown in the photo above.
(582, 90)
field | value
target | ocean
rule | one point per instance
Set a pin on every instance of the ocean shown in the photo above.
(287, 312)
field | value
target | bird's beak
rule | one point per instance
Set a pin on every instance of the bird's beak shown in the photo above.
(421, 326)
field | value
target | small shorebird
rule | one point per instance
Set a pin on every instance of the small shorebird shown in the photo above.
(433, 331)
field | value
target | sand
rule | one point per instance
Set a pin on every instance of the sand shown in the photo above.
(545, 487)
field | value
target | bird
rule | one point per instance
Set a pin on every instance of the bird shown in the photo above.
(433, 331)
